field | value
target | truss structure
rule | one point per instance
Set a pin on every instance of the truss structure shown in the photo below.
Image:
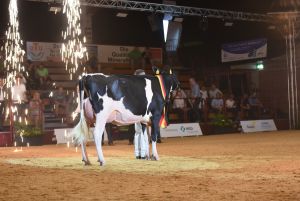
(171, 9)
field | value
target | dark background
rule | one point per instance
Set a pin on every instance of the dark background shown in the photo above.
(38, 24)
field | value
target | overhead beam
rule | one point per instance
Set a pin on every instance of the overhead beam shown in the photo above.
(171, 9)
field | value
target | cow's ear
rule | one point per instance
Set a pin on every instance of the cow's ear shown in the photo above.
(171, 71)
(156, 70)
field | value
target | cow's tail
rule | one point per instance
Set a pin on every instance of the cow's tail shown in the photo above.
(81, 130)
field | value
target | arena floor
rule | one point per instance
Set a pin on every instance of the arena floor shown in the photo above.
(243, 167)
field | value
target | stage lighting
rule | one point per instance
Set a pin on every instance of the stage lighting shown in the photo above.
(259, 65)
(166, 25)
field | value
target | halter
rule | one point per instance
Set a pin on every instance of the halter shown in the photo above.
(162, 122)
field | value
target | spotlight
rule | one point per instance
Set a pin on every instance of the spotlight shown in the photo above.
(166, 26)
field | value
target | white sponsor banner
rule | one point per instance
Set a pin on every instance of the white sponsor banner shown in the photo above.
(181, 130)
(63, 135)
(244, 50)
(40, 51)
(258, 125)
(122, 54)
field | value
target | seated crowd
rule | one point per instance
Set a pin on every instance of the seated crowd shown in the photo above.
(201, 104)
(30, 96)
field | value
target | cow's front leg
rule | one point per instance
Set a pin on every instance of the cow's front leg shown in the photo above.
(154, 134)
(85, 158)
(98, 132)
(137, 140)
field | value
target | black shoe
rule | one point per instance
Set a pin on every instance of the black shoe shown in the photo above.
(159, 141)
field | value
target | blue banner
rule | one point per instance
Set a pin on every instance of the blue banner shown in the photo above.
(244, 50)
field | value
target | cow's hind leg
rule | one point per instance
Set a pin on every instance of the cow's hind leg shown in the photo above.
(85, 158)
(98, 132)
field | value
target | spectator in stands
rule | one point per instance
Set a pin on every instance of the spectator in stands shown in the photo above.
(245, 107)
(254, 101)
(42, 74)
(32, 81)
(231, 106)
(2, 104)
(22, 78)
(214, 91)
(178, 105)
(203, 103)
(147, 57)
(203, 96)
(195, 99)
(255, 106)
(19, 94)
(48, 83)
(60, 98)
(19, 90)
(35, 109)
(179, 100)
(217, 103)
(135, 57)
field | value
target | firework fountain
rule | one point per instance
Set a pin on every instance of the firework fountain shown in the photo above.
(13, 63)
(73, 52)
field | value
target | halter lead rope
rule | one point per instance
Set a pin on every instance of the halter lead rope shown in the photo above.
(162, 122)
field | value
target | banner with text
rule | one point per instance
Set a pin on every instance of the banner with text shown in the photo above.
(258, 125)
(42, 51)
(181, 130)
(123, 54)
(244, 50)
(39, 51)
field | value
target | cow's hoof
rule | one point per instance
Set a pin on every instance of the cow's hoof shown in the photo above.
(86, 163)
(144, 158)
(102, 163)
(154, 158)
(138, 157)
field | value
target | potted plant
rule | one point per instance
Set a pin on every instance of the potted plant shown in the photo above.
(222, 124)
(28, 134)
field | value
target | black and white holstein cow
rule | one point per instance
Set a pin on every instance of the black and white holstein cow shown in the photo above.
(124, 100)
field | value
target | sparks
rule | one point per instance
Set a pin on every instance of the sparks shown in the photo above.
(73, 51)
(13, 51)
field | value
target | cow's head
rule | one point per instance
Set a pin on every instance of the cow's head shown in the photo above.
(169, 76)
